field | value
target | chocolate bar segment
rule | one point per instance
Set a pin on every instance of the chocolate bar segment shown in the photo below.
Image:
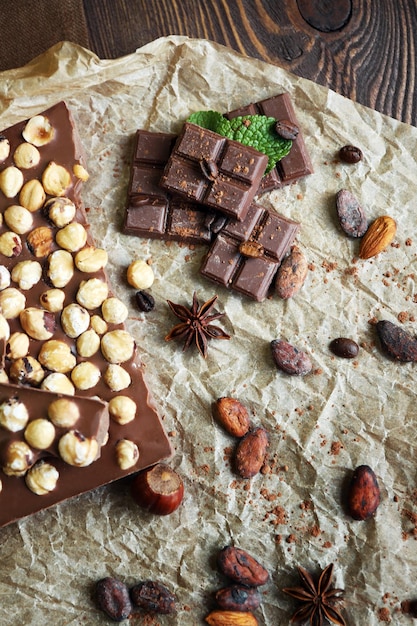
(152, 211)
(215, 171)
(246, 255)
(67, 331)
(297, 163)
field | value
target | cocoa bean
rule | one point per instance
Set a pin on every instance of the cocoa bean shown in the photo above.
(344, 347)
(350, 154)
(112, 597)
(397, 342)
(364, 494)
(238, 598)
(241, 567)
(250, 453)
(291, 274)
(290, 359)
(352, 218)
(153, 596)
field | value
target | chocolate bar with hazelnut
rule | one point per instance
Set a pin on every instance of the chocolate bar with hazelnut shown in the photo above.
(64, 330)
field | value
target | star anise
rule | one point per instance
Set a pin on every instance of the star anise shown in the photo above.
(196, 324)
(318, 600)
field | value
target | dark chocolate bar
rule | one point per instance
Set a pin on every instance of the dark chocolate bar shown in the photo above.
(152, 211)
(67, 333)
(297, 163)
(217, 172)
(246, 255)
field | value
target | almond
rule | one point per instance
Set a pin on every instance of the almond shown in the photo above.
(231, 618)
(232, 415)
(378, 236)
(364, 494)
(250, 453)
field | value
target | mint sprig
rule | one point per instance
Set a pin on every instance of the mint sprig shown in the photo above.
(257, 131)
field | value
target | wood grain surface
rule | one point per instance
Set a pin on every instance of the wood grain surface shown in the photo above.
(363, 49)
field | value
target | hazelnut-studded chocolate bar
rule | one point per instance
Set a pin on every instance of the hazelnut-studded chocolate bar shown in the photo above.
(297, 163)
(154, 212)
(217, 172)
(246, 255)
(62, 327)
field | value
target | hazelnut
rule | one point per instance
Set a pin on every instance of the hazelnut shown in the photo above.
(98, 324)
(38, 131)
(72, 237)
(13, 415)
(40, 433)
(4, 277)
(3, 376)
(140, 274)
(63, 412)
(10, 244)
(122, 409)
(75, 320)
(92, 293)
(116, 378)
(114, 311)
(77, 450)
(26, 371)
(60, 268)
(17, 346)
(18, 219)
(88, 343)
(26, 156)
(40, 241)
(12, 302)
(91, 259)
(127, 454)
(85, 375)
(58, 383)
(53, 300)
(18, 458)
(37, 323)
(11, 181)
(56, 179)
(56, 356)
(80, 172)
(4, 148)
(4, 328)
(32, 195)
(158, 489)
(61, 211)
(117, 346)
(27, 274)
(42, 478)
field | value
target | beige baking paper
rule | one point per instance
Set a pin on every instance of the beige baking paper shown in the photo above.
(346, 413)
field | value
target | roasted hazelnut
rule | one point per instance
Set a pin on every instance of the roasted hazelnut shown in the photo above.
(116, 378)
(72, 237)
(10, 244)
(60, 268)
(159, 489)
(56, 179)
(53, 300)
(92, 293)
(4, 328)
(77, 450)
(13, 415)
(114, 311)
(88, 343)
(63, 412)
(127, 454)
(56, 356)
(27, 274)
(38, 131)
(85, 375)
(12, 302)
(117, 346)
(4, 277)
(91, 259)
(58, 383)
(60, 211)
(75, 320)
(32, 195)
(17, 345)
(140, 274)
(40, 433)
(42, 478)
(11, 181)
(27, 371)
(98, 324)
(80, 172)
(26, 156)
(18, 458)
(4, 148)
(40, 241)
(3, 376)
(37, 323)
(122, 409)
(18, 219)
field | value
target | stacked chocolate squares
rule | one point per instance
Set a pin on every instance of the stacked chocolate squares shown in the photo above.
(200, 188)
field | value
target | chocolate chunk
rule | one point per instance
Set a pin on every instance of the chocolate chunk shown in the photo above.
(84, 374)
(297, 163)
(235, 171)
(246, 255)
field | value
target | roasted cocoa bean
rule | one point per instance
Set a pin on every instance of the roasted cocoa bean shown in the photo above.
(144, 301)
(112, 597)
(352, 218)
(250, 453)
(290, 359)
(397, 342)
(153, 596)
(350, 154)
(344, 347)
(232, 415)
(364, 494)
(241, 567)
(238, 598)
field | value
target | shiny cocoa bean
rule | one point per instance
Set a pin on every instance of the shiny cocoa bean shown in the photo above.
(112, 597)
(286, 129)
(344, 347)
(350, 154)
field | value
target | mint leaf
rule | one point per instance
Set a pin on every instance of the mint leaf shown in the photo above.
(257, 131)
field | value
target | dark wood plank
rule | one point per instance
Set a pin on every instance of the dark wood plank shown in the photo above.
(363, 50)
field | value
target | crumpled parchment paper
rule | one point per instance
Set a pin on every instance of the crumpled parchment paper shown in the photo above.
(322, 426)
